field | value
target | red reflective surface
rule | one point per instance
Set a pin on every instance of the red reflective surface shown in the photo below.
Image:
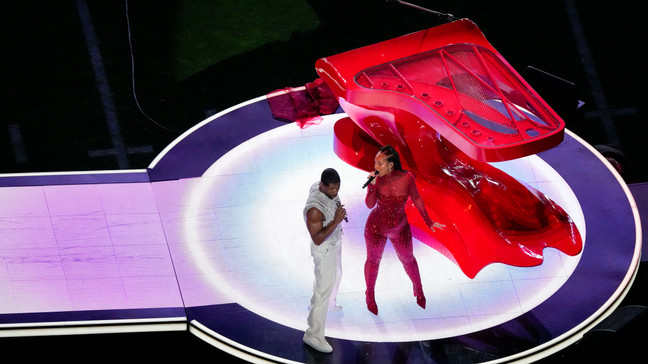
(449, 102)
(451, 79)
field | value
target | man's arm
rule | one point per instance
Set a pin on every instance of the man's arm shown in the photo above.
(315, 224)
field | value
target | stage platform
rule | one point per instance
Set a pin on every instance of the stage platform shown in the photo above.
(210, 238)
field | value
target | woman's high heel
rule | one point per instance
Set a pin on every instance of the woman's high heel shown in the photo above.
(420, 300)
(371, 303)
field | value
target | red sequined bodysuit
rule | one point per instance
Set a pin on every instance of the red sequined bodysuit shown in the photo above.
(388, 220)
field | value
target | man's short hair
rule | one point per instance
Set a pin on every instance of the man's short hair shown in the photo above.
(329, 175)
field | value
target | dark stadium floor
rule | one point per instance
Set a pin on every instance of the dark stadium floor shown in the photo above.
(61, 114)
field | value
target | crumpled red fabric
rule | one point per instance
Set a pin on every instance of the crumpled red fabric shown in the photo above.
(303, 105)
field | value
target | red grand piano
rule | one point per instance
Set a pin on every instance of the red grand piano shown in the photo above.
(450, 103)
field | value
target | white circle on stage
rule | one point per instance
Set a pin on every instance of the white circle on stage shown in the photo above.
(258, 256)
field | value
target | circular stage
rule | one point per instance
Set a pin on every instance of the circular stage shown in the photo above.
(241, 179)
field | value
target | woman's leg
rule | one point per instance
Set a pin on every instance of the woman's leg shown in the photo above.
(402, 242)
(375, 244)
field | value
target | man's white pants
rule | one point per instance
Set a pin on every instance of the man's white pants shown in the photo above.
(328, 274)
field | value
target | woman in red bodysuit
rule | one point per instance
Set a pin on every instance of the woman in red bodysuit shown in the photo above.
(388, 192)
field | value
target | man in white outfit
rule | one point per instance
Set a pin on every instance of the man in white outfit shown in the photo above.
(323, 214)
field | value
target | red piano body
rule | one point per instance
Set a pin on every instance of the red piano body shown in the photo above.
(450, 103)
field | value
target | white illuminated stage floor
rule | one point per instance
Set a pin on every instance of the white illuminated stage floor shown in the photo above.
(213, 235)
(258, 254)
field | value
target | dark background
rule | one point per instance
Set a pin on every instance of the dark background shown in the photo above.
(53, 119)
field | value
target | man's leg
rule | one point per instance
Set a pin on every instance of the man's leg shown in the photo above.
(333, 306)
(325, 261)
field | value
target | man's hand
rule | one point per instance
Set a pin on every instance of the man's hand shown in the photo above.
(340, 214)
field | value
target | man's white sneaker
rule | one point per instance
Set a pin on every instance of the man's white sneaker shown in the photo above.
(318, 344)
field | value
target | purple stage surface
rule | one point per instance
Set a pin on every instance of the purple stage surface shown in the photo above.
(211, 237)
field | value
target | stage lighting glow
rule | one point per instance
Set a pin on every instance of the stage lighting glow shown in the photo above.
(256, 193)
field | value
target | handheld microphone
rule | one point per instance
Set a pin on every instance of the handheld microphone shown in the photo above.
(370, 179)
(345, 218)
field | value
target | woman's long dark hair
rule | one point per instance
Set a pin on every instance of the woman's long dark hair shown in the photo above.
(392, 156)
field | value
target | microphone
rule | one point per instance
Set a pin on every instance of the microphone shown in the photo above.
(345, 218)
(370, 179)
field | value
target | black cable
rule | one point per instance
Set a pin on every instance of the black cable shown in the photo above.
(139, 107)
(450, 17)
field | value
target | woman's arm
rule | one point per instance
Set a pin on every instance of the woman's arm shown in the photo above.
(417, 199)
(420, 205)
(370, 199)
